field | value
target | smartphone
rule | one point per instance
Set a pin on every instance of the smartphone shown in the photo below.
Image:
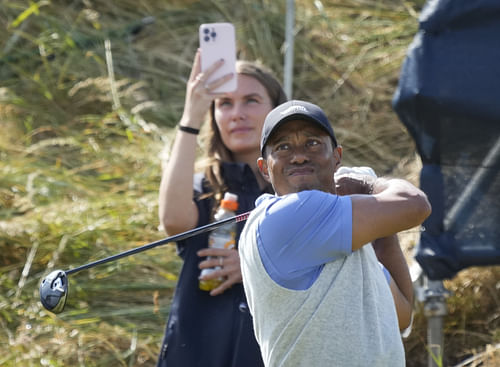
(217, 40)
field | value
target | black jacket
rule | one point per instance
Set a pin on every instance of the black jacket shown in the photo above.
(203, 330)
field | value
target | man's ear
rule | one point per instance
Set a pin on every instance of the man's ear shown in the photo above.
(262, 164)
(337, 152)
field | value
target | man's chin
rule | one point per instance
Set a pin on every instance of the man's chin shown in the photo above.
(297, 184)
(304, 186)
(293, 189)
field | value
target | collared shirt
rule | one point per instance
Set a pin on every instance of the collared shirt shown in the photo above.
(294, 258)
(316, 315)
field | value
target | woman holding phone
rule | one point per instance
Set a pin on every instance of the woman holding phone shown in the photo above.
(214, 328)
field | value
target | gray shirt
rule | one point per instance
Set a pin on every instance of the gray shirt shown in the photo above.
(346, 317)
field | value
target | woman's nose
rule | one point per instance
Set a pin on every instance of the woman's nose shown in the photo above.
(238, 112)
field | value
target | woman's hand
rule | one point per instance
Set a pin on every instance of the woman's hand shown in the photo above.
(199, 93)
(229, 262)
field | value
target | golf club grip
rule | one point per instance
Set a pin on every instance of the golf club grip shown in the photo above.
(193, 232)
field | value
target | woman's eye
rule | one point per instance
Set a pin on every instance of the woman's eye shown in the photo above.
(223, 103)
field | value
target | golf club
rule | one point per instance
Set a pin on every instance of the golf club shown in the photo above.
(54, 287)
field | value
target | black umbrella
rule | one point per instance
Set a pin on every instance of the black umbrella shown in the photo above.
(449, 99)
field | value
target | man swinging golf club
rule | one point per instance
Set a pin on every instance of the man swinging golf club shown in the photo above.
(316, 291)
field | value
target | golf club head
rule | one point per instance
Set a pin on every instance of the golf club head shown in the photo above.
(54, 291)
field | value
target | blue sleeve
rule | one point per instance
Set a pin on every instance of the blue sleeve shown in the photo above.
(387, 275)
(301, 232)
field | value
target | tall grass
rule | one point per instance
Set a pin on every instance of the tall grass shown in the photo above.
(80, 157)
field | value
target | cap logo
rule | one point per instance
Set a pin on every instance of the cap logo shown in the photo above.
(294, 109)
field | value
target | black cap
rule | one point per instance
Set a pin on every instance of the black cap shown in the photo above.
(294, 110)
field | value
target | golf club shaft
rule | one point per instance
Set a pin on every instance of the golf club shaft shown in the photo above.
(177, 237)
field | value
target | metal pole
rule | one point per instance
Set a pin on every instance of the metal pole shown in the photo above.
(435, 341)
(482, 173)
(435, 310)
(289, 43)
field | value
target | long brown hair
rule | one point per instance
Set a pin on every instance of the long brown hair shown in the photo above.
(215, 151)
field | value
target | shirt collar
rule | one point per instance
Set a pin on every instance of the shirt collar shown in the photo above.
(241, 176)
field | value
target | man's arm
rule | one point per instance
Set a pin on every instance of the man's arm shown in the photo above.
(389, 253)
(395, 205)
(387, 249)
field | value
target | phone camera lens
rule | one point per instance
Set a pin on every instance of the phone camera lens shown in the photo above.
(213, 34)
(206, 31)
(206, 38)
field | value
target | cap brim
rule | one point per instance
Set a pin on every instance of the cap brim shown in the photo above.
(295, 116)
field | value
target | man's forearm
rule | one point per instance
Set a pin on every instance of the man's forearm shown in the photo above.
(389, 253)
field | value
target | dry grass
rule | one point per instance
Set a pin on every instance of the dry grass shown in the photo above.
(80, 167)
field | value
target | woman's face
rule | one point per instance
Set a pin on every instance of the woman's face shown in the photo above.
(240, 115)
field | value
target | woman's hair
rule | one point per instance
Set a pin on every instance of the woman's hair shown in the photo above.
(215, 151)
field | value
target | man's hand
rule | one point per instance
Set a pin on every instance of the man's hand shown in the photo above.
(229, 262)
(354, 180)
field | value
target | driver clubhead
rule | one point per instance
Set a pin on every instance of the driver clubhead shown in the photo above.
(54, 291)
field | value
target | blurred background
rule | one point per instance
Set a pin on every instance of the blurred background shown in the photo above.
(90, 93)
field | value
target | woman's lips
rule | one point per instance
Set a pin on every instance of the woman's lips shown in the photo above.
(240, 130)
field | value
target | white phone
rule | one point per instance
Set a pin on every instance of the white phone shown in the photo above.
(217, 40)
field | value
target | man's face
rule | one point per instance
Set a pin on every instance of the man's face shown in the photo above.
(300, 156)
